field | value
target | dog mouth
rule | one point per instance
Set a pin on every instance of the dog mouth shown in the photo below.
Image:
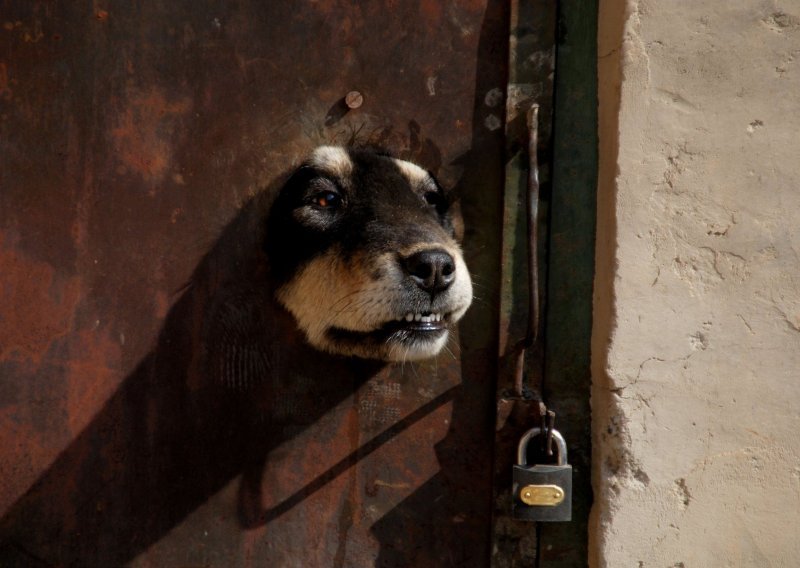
(412, 328)
(420, 322)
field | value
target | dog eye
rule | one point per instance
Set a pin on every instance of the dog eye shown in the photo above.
(433, 198)
(327, 199)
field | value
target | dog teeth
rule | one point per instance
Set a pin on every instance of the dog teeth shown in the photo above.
(409, 317)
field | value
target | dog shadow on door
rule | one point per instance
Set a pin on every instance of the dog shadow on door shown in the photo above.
(199, 410)
(229, 380)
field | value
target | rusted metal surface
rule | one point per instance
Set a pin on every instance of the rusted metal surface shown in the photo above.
(531, 65)
(130, 135)
(532, 254)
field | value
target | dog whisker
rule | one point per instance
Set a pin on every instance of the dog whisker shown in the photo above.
(414, 369)
(345, 297)
(480, 300)
(446, 348)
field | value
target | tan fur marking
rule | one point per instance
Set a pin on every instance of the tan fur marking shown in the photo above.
(413, 172)
(327, 293)
(332, 160)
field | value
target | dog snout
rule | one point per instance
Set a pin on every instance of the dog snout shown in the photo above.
(433, 270)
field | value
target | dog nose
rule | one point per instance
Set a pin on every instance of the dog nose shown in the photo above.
(433, 270)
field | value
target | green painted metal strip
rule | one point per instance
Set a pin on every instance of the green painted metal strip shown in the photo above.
(568, 323)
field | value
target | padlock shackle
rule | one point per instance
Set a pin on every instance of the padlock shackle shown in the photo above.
(522, 449)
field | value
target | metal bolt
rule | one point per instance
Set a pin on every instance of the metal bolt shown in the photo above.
(354, 99)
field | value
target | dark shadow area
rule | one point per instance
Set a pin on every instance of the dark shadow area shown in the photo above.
(447, 521)
(250, 488)
(229, 379)
(336, 112)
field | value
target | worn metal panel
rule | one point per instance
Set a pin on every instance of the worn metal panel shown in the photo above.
(130, 134)
(567, 376)
(531, 67)
(557, 368)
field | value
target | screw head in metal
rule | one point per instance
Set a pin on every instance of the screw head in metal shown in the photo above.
(354, 99)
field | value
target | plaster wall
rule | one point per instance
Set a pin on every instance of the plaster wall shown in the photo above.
(696, 346)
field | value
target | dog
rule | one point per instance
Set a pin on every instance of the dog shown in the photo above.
(362, 249)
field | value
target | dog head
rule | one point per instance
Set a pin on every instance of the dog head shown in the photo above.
(363, 251)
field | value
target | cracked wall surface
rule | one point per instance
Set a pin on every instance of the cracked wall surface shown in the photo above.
(696, 346)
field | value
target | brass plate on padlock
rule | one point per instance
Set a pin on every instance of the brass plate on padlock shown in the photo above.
(541, 495)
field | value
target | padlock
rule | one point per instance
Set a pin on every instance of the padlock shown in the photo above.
(542, 492)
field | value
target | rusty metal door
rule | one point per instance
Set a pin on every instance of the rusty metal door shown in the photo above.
(131, 133)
